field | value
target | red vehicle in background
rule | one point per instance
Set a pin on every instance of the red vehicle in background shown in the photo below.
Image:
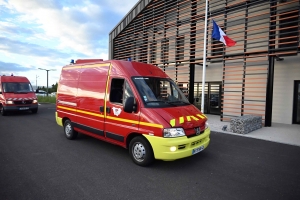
(16, 94)
(130, 104)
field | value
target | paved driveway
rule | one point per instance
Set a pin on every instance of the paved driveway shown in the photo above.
(38, 162)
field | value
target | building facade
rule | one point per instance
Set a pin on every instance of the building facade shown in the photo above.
(260, 75)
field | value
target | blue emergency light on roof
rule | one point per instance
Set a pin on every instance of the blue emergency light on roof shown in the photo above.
(128, 59)
(72, 61)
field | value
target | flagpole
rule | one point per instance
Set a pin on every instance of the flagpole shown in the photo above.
(204, 58)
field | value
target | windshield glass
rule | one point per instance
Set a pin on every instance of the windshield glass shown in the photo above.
(17, 87)
(159, 92)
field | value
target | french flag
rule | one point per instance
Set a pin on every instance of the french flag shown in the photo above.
(218, 34)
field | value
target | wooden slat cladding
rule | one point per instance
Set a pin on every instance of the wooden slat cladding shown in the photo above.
(170, 34)
(244, 87)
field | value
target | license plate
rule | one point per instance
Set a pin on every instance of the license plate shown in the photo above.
(197, 150)
(23, 108)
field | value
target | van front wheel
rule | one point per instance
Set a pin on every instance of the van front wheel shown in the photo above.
(34, 111)
(3, 112)
(69, 130)
(141, 151)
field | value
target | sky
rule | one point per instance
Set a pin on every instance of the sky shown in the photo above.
(47, 34)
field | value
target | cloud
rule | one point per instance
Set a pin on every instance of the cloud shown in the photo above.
(80, 25)
(48, 33)
(11, 67)
(18, 47)
(7, 28)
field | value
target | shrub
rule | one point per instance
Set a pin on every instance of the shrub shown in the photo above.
(46, 99)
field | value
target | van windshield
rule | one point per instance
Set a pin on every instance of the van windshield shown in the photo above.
(159, 92)
(12, 87)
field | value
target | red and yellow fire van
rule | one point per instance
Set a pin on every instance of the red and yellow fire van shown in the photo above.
(16, 94)
(131, 104)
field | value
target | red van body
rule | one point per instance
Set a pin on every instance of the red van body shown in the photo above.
(131, 104)
(16, 94)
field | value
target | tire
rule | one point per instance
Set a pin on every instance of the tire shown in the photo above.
(34, 111)
(141, 151)
(69, 130)
(3, 112)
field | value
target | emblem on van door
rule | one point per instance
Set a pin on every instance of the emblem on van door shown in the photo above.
(116, 111)
(197, 130)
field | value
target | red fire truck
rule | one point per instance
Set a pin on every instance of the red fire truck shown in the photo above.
(131, 104)
(16, 94)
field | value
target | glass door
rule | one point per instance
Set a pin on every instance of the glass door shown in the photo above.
(214, 104)
(212, 94)
(198, 96)
(296, 110)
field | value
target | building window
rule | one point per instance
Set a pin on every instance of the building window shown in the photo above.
(153, 52)
(288, 30)
(164, 50)
(180, 48)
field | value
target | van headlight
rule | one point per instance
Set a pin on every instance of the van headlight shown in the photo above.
(34, 101)
(206, 125)
(9, 102)
(173, 132)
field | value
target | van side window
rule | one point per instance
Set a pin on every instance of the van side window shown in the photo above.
(116, 90)
(128, 91)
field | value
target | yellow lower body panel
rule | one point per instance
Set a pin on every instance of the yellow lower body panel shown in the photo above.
(181, 147)
(58, 119)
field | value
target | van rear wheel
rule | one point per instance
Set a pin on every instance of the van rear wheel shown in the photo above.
(141, 151)
(69, 130)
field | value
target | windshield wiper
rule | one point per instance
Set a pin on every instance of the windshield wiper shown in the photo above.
(176, 102)
(158, 102)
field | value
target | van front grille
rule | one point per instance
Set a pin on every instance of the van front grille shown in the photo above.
(24, 102)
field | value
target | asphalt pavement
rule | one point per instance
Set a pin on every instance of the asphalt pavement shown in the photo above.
(38, 162)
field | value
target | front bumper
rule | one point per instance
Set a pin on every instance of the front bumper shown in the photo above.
(184, 146)
(20, 108)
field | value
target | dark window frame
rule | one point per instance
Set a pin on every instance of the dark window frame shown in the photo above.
(288, 27)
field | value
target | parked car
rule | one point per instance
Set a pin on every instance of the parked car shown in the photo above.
(40, 93)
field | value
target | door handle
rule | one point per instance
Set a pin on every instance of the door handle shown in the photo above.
(102, 109)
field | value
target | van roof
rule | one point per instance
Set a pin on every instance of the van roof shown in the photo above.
(129, 68)
(13, 79)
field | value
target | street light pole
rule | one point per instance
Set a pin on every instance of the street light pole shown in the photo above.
(47, 70)
(36, 76)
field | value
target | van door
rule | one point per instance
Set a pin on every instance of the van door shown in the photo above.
(90, 100)
(118, 124)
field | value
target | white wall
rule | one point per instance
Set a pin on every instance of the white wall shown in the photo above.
(214, 72)
(285, 73)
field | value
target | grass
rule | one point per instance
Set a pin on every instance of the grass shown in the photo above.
(42, 99)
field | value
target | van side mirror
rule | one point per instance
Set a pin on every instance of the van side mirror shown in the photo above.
(129, 105)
